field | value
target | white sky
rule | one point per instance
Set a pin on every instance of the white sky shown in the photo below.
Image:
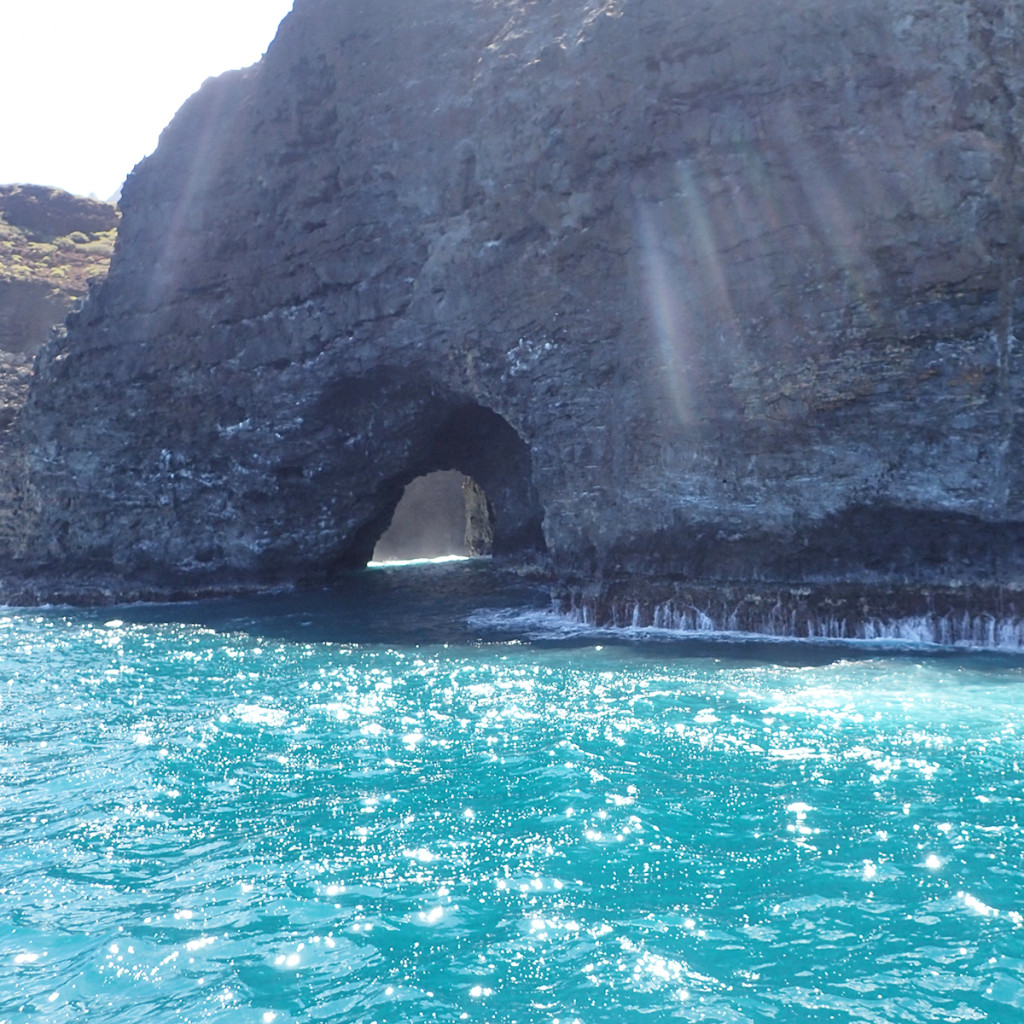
(86, 86)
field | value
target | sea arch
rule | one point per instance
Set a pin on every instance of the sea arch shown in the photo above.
(479, 443)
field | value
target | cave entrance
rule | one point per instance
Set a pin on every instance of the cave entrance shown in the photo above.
(473, 455)
(440, 514)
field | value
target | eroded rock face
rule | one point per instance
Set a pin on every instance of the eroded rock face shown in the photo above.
(706, 291)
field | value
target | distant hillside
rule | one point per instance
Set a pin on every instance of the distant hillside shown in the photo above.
(51, 244)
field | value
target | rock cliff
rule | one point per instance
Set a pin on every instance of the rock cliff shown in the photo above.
(697, 293)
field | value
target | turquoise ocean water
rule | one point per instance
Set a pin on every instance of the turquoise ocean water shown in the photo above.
(422, 799)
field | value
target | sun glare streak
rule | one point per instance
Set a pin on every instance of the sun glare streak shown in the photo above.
(688, 288)
(670, 317)
(757, 241)
(210, 122)
(705, 240)
(829, 209)
(760, 207)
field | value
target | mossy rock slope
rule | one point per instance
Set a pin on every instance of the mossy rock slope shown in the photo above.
(51, 244)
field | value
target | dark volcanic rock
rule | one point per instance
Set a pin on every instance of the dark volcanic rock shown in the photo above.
(703, 291)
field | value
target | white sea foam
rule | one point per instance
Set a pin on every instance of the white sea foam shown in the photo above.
(398, 563)
(982, 632)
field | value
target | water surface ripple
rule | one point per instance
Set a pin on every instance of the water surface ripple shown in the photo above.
(219, 813)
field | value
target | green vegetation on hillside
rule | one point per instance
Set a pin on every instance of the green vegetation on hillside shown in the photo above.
(51, 245)
(65, 262)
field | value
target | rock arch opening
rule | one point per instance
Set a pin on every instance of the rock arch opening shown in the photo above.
(440, 514)
(468, 457)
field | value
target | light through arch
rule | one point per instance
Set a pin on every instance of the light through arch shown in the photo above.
(440, 514)
(477, 443)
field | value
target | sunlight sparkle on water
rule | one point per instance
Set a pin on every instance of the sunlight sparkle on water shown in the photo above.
(237, 823)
